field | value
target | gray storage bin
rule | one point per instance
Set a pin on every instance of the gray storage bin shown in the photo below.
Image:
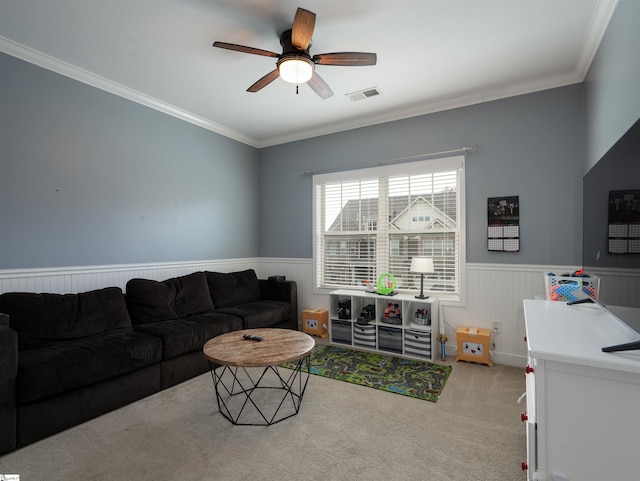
(364, 335)
(341, 331)
(390, 339)
(417, 343)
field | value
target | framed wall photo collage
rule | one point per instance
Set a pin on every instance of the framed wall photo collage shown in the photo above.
(503, 224)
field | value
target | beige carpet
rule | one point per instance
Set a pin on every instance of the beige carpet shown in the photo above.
(343, 432)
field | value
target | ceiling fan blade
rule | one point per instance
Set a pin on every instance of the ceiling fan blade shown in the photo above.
(319, 86)
(264, 81)
(302, 30)
(346, 58)
(242, 48)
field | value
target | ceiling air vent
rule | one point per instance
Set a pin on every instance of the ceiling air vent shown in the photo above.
(363, 94)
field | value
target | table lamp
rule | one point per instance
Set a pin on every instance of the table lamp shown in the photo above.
(422, 266)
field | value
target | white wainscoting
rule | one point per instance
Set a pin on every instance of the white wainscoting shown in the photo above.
(493, 291)
(63, 280)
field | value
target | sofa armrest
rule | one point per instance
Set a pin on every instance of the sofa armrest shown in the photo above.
(8, 376)
(285, 291)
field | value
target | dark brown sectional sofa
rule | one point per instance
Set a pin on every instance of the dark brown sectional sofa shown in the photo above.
(67, 358)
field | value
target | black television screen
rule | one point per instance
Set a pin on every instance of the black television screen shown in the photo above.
(631, 317)
(616, 173)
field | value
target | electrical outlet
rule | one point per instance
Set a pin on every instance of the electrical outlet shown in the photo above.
(496, 327)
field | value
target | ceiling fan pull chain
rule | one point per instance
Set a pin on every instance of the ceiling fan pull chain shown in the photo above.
(297, 90)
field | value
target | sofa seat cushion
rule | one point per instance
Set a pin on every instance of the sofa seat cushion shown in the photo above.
(260, 313)
(47, 371)
(46, 319)
(233, 288)
(182, 336)
(156, 301)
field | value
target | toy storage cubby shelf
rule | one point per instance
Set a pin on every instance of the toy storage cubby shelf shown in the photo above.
(410, 337)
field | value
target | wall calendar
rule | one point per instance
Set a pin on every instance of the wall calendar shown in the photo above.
(503, 230)
(624, 221)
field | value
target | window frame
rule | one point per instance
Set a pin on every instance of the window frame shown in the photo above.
(454, 163)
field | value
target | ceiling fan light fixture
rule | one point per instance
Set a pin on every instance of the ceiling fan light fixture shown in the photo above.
(295, 69)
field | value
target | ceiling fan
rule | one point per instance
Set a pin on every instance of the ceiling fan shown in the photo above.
(295, 64)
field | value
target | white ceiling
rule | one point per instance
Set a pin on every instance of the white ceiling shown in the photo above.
(432, 55)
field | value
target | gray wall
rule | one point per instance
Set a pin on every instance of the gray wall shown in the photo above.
(531, 146)
(613, 83)
(88, 178)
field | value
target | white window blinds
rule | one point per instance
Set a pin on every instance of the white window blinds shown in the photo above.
(348, 227)
(373, 221)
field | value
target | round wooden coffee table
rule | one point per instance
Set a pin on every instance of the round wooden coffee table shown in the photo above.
(251, 388)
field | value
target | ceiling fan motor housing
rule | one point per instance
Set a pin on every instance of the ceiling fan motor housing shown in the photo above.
(287, 45)
(295, 65)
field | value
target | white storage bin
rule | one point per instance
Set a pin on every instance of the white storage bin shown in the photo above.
(417, 343)
(364, 335)
(566, 288)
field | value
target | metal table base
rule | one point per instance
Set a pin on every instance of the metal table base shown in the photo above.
(260, 396)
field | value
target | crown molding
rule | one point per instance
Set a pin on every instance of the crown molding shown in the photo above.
(597, 29)
(81, 75)
(430, 107)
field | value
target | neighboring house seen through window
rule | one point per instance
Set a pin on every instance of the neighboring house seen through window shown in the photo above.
(374, 220)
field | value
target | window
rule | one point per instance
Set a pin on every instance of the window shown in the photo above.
(371, 221)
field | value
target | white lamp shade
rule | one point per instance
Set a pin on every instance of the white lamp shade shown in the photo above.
(422, 265)
(295, 70)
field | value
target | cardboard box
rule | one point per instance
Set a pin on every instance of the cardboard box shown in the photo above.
(473, 345)
(316, 322)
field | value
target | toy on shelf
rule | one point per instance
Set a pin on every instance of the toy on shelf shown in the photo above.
(367, 314)
(422, 317)
(393, 314)
(370, 286)
(386, 284)
(344, 309)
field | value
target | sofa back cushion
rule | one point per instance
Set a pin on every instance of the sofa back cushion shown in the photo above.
(178, 297)
(44, 319)
(233, 288)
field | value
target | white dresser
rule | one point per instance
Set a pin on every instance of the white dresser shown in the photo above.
(583, 405)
